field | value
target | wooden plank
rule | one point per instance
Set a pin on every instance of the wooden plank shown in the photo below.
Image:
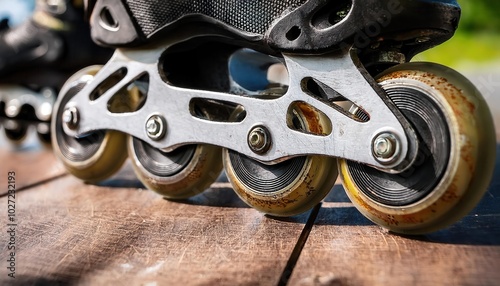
(96, 235)
(353, 255)
(30, 166)
(344, 248)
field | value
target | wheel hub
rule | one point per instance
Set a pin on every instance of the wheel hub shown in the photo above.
(163, 164)
(433, 154)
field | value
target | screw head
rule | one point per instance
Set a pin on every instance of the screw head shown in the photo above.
(71, 117)
(385, 147)
(259, 140)
(156, 127)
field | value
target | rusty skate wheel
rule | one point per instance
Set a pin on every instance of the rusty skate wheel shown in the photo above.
(287, 188)
(182, 173)
(456, 153)
(95, 156)
(179, 174)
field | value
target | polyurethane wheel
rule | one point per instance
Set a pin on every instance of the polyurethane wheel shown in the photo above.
(290, 187)
(180, 174)
(456, 154)
(95, 156)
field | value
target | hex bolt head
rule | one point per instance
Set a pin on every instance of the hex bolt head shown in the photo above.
(156, 127)
(259, 140)
(385, 147)
(71, 117)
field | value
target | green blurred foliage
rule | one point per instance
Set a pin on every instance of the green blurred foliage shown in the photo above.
(476, 42)
(480, 15)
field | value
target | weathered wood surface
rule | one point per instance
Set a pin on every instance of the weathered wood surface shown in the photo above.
(102, 235)
(344, 248)
(70, 232)
(32, 165)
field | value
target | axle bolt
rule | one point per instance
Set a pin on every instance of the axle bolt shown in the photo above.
(156, 127)
(385, 147)
(71, 117)
(259, 140)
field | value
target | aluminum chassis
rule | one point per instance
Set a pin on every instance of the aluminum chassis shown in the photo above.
(341, 71)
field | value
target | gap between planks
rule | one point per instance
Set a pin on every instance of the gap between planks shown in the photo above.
(36, 184)
(297, 250)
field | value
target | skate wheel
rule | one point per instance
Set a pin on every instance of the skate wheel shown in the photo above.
(456, 154)
(95, 156)
(287, 188)
(16, 132)
(182, 173)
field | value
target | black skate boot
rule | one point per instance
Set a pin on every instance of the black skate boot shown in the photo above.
(36, 58)
(284, 95)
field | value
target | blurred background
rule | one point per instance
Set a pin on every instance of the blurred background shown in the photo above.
(476, 44)
(475, 51)
(15, 11)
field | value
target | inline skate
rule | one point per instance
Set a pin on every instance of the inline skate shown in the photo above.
(36, 58)
(192, 89)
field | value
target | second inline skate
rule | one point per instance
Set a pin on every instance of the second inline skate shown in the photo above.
(36, 58)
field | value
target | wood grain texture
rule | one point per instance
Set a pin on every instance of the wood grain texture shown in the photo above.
(344, 248)
(353, 255)
(102, 235)
(31, 166)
